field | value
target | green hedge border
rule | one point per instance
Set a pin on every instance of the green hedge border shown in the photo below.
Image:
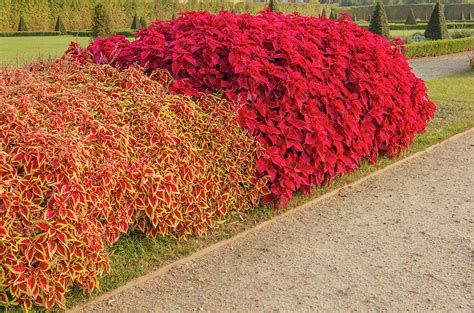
(422, 26)
(29, 34)
(438, 47)
(82, 33)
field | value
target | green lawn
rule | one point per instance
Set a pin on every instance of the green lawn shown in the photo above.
(135, 255)
(20, 50)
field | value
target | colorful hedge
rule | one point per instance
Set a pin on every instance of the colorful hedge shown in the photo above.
(87, 152)
(320, 95)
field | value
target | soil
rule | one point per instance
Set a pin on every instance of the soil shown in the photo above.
(445, 65)
(400, 240)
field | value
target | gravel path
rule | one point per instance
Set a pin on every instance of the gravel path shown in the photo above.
(445, 65)
(400, 240)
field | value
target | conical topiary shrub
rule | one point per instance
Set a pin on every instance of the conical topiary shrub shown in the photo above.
(437, 28)
(462, 17)
(379, 21)
(101, 22)
(333, 15)
(22, 25)
(143, 23)
(411, 19)
(60, 26)
(273, 6)
(135, 22)
(354, 17)
(323, 12)
(470, 17)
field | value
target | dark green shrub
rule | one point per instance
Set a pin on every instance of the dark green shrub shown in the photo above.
(437, 28)
(470, 17)
(411, 19)
(323, 12)
(101, 22)
(22, 25)
(135, 22)
(273, 6)
(333, 15)
(60, 26)
(462, 17)
(379, 21)
(143, 23)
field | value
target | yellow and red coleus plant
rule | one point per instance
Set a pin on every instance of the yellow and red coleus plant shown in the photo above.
(88, 152)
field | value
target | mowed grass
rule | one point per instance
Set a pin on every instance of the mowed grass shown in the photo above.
(17, 51)
(135, 255)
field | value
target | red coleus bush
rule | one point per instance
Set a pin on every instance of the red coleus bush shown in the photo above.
(320, 95)
(87, 151)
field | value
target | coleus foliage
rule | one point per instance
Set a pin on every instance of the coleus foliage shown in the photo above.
(320, 95)
(88, 152)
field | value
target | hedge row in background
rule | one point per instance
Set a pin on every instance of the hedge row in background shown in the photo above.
(439, 47)
(87, 152)
(320, 95)
(422, 26)
(41, 15)
(27, 34)
(400, 12)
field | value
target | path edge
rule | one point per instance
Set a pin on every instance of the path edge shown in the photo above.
(200, 253)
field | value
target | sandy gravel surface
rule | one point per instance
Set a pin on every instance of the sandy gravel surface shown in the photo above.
(402, 240)
(441, 66)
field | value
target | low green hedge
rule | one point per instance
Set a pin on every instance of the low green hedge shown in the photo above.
(438, 47)
(82, 33)
(29, 34)
(88, 33)
(422, 26)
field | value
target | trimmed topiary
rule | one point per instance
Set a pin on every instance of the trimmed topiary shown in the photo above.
(470, 17)
(135, 22)
(143, 23)
(323, 12)
(354, 18)
(411, 19)
(437, 28)
(22, 25)
(333, 15)
(273, 6)
(60, 26)
(101, 22)
(462, 17)
(379, 21)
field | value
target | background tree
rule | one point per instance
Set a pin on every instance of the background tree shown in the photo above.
(60, 26)
(437, 28)
(379, 21)
(143, 23)
(135, 22)
(323, 12)
(100, 22)
(273, 6)
(22, 25)
(411, 19)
